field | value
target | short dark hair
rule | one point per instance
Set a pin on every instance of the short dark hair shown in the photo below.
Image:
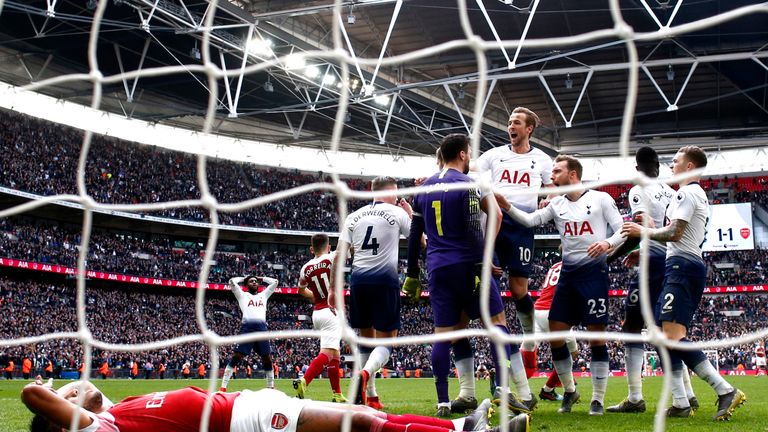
(646, 155)
(319, 241)
(452, 145)
(439, 156)
(40, 423)
(531, 119)
(380, 183)
(572, 163)
(695, 155)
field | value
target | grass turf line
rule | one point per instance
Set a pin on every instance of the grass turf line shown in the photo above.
(417, 396)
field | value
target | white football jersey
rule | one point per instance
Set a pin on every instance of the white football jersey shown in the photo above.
(512, 171)
(658, 197)
(582, 223)
(253, 306)
(691, 205)
(374, 233)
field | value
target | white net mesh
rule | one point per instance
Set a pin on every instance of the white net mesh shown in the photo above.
(344, 59)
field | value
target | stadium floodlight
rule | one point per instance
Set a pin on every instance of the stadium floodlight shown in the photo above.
(351, 19)
(382, 100)
(268, 86)
(568, 81)
(195, 52)
(329, 79)
(368, 89)
(460, 93)
(312, 71)
(670, 73)
(295, 61)
(260, 47)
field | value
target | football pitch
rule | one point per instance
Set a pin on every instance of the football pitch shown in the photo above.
(418, 396)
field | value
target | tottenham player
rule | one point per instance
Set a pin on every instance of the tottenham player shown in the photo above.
(315, 284)
(650, 201)
(266, 410)
(373, 232)
(541, 325)
(453, 224)
(684, 282)
(253, 306)
(582, 218)
(518, 167)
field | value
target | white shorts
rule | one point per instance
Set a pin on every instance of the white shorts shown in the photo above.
(266, 410)
(327, 322)
(760, 361)
(541, 325)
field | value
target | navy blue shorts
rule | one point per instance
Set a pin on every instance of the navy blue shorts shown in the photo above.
(684, 283)
(581, 296)
(514, 247)
(452, 291)
(656, 270)
(261, 347)
(374, 305)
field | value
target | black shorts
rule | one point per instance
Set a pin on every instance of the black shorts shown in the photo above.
(684, 283)
(261, 347)
(374, 302)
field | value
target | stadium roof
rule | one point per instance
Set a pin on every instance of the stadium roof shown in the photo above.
(707, 86)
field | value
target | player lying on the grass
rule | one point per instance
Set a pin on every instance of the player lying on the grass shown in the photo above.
(253, 305)
(650, 201)
(684, 281)
(455, 237)
(582, 218)
(541, 325)
(246, 411)
(315, 284)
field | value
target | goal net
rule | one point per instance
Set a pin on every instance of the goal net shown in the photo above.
(215, 76)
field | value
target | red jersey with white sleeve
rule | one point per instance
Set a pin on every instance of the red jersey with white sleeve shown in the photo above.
(316, 276)
(544, 301)
(178, 410)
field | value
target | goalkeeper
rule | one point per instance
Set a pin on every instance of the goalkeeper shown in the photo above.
(253, 305)
(246, 411)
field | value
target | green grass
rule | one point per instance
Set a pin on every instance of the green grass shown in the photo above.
(418, 396)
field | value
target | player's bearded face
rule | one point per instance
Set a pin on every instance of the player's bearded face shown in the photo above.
(466, 160)
(560, 174)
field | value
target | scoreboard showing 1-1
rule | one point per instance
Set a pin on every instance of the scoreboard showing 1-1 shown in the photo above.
(729, 228)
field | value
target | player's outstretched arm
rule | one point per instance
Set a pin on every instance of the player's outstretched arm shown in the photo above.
(530, 220)
(235, 286)
(44, 401)
(670, 233)
(412, 283)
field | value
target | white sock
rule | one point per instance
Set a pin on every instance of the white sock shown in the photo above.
(518, 376)
(707, 372)
(564, 370)
(458, 424)
(466, 371)
(228, 371)
(687, 383)
(599, 371)
(270, 378)
(377, 359)
(634, 361)
(547, 388)
(526, 321)
(679, 398)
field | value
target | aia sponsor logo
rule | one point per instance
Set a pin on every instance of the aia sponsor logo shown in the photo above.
(279, 421)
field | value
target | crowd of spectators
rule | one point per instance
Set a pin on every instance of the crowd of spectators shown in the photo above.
(121, 316)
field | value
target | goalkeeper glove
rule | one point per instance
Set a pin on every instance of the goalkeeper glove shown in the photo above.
(412, 288)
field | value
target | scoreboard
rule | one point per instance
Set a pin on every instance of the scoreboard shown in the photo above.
(729, 228)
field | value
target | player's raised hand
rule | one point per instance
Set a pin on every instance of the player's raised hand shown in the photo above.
(631, 229)
(419, 181)
(405, 205)
(412, 288)
(598, 248)
(503, 203)
(632, 259)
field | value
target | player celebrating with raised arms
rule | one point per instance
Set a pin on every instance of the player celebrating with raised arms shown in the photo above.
(315, 283)
(452, 222)
(373, 233)
(515, 167)
(582, 218)
(253, 305)
(684, 282)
